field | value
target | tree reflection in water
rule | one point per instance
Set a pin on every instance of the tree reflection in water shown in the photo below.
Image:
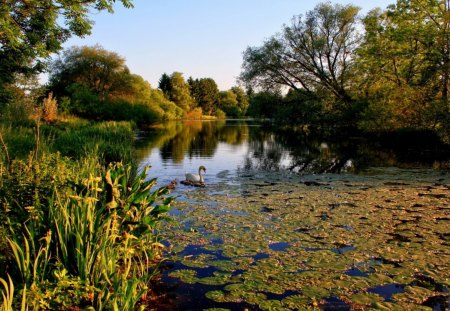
(268, 148)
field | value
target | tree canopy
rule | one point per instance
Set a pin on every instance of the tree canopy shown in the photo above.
(32, 30)
(102, 72)
(315, 52)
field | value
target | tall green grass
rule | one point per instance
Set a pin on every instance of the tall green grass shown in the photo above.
(79, 234)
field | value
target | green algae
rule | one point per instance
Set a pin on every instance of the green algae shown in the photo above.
(393, 228)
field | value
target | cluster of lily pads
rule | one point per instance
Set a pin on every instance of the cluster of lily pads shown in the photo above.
(286, 242)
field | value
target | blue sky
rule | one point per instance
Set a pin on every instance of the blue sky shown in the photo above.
(200, 38)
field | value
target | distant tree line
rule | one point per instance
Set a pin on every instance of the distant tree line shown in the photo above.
(329, 67)
(386, 70)
(203, 96)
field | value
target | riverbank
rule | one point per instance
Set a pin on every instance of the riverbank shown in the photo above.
(79, 231)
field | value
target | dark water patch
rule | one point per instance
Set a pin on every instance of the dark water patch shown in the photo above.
(438, 302)
(444, 218)
(342, 249)
(216, 241)
(432, 195)
(195, 250)
(334, 304)
(238, 272)
(398, 238)
(386, 291)
(260, 256)
(266, 209)
(303, 229)
(429, 282)
(395, 183)
(355, 272)
(279, 246)
(315, 183)
(286, 294)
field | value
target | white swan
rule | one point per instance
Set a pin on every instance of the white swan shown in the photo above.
(196, 178)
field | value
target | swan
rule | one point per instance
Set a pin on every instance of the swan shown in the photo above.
(196, 178)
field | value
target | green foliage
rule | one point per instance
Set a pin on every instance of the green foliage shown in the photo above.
(32, 31)
(100, 87)
(169, 110)
(100, 71)
(242, 100)
(408, 85)
(228, 103)
(179, 92)
(263, 104)
(300, 107)
(165, 85)
(207, 95)
(102, 234)
(313, 52)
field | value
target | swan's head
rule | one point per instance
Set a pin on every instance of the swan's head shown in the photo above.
(202, 168)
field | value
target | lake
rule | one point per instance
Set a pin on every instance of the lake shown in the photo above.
(294, 221)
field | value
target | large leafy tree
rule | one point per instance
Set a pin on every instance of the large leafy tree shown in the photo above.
(100, 71)
(208, 95)
(31, 30)
(404, 64)
(242, 99)
(315, 52)
(180, 93)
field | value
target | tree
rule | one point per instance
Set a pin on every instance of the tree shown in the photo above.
(264, 104)
(100, 71)
(404, 64)
(208, 94)
(228, 103)
(180, 93)
(32, 30)
(313, 52)
(242, 100)
(165, 85)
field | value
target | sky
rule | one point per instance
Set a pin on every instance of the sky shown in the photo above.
(199, 38)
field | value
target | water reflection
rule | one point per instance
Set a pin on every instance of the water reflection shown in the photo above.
(248, 145)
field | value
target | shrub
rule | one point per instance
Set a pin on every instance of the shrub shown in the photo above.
(49, 109)
(102, 233)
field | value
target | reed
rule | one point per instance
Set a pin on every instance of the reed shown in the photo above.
(79, 234)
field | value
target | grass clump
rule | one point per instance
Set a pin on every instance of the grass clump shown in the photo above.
(81, 230)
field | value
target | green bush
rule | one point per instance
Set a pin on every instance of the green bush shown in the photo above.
(86, 237)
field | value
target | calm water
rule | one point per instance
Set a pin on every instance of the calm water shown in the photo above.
(235, 150)
(228, 147)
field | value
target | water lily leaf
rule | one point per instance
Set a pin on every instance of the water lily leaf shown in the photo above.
(366, 298)
(224, 265)
(296, 302)
(216, 295)
(388, 306)
(217, 279)
(315, 292)
(185, 275)
(272, 305)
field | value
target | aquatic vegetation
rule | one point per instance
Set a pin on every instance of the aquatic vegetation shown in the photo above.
(285, 244)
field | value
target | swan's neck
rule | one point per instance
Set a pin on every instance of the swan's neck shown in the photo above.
(200, 174)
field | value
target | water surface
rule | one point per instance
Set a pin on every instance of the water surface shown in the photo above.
(290, 220)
